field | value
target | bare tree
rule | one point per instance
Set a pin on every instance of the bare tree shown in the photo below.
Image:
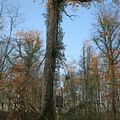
(6, 40)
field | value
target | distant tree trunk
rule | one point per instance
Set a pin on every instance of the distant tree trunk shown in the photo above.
(48, 111)
(112, 77)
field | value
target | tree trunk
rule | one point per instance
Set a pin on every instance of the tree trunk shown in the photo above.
(48, 111)
(112, 70)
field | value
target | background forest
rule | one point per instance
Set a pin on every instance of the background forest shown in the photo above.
(87, 88)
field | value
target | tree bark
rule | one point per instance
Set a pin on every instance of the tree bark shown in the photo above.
(48, 111)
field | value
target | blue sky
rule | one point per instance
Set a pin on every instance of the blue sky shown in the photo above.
(75, 31)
